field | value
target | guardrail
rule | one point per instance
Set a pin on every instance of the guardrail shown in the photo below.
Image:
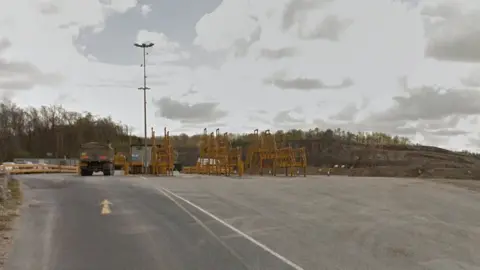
(36, 168)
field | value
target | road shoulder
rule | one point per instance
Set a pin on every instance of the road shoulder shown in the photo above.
(32, 230)
(9, 211)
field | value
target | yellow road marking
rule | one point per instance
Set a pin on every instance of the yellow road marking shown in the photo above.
(105, 207)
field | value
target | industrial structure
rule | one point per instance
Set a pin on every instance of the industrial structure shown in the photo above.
(119, 160)
(217, 156)
(263, 153)
(160, 158)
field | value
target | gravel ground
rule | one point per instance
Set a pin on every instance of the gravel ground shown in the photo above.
(473, 185)
(339, 222)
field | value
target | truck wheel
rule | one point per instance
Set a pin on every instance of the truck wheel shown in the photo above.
(109, 170)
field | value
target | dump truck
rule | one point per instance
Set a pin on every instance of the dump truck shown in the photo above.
(97, 157)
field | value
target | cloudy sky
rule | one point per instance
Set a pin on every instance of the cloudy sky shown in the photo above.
(406, 67)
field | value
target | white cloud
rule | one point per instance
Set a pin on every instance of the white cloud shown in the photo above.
(145, 9)
(240, 25)
(365, 46)
(284, 64)
(164, 50)
(453, 30)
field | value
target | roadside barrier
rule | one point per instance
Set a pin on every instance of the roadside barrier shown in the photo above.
(36, 168)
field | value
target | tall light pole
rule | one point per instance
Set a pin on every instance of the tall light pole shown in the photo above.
(144, 88)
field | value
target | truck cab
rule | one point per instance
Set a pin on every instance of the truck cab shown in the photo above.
(96, 157)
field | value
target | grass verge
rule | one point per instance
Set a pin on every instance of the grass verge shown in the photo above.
(9, 207)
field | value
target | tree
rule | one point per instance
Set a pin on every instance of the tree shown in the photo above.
(34, 132)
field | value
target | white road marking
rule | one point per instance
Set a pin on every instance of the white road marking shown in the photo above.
(257, 232)
(205, 227)
(244, 235)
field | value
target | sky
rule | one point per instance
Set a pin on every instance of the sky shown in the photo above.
(404, 67)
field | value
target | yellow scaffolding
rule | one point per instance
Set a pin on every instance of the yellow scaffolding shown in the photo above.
(206, 160)
(222, 147)
(228, 159)
(263, 153)
(162, 155)
(217, 156)
(161, 158)
(119, 160)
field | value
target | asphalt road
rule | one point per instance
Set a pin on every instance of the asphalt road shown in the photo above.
(61, 227)
(191, 222)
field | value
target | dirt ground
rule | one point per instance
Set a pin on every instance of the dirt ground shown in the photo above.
(8, 212)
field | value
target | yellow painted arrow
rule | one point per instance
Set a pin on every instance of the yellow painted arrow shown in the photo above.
(105, 207)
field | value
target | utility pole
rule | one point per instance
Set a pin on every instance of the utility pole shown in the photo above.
(144, 88)
(129, 133)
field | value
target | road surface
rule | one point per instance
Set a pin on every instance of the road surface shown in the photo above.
(209, 223)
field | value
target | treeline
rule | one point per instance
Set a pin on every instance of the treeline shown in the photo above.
(52, 131)
(329, 135)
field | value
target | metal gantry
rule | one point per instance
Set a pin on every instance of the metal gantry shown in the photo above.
(263, 154)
